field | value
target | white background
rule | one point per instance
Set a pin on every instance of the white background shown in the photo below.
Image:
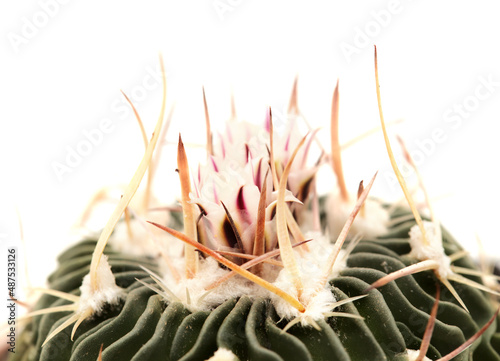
(63, 64)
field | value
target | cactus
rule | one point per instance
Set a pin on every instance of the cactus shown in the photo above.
(239, 288)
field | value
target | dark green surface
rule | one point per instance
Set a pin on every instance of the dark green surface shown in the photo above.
(146, 327)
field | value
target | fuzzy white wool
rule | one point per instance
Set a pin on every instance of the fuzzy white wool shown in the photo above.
(107, 292)
(372, 222)
(223, 354)
(320, 249)
(413, 354)
(317, 303)
(201, 300)
(433, 250)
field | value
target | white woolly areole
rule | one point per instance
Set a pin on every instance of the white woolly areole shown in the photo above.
(372, 222)
(413, 354)
(107, 293)
(192, 292)
(433, 250)
(223, 354)
(317, 302)
(320, 249)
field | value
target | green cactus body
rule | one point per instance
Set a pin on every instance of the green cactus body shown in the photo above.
(147, 327)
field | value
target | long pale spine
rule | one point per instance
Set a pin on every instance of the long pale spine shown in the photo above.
(190, 254)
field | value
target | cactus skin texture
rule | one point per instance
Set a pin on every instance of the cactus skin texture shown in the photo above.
(145, 327)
